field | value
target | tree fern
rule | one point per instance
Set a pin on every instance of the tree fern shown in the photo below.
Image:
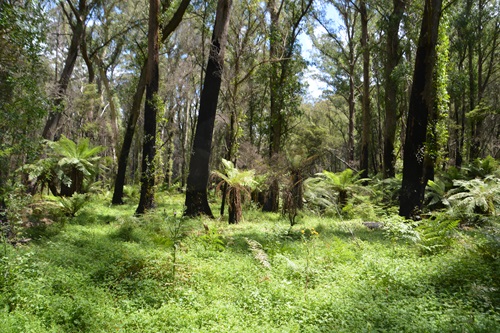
(67, 165)
(476, 196)
(331, 191)
(238, 183)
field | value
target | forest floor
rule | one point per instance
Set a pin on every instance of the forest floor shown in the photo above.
(107, 271)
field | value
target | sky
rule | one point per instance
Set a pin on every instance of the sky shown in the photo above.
(316, 86)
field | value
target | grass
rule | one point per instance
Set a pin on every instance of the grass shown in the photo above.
(106, 271)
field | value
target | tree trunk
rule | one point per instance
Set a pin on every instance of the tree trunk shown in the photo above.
(50, 131)
(271, 198)
(421, 104)
(197, 182)
(167, 30)
(112, 108)
(234, 210)
(365, 135)
(128, 138)
(146, 200)
(393, 54)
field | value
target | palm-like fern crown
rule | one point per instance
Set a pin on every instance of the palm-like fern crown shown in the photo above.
(78, 155)
(236, 178)
(476, 194)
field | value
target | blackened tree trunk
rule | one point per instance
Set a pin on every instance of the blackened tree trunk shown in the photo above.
(393, 54)
(421, 104)
(50, 131)
(197, 182)
(146, 200)
(365, 135)
(167, 30)
(128, 138)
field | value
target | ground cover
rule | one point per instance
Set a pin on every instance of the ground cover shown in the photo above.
(107, 271)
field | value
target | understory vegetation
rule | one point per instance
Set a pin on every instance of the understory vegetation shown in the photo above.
(99, 269)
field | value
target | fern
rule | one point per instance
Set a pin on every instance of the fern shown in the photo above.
(70, 206)
(435, 194)
(238, 183)
(437, 233)
(331, 191)
(475, 197)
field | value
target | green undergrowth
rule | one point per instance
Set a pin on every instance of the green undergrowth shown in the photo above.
(107, 271)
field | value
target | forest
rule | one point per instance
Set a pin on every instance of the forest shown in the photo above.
(249, 166)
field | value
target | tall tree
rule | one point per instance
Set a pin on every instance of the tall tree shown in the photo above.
(77, 19)
(166, 31)
(23, 77)
(344, 53)
(484, 31)
(421, 104)
(393, 56)
(146, 200)
(285, 26)
(197, 182)
(366, 113)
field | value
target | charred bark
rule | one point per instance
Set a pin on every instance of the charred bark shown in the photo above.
(146, 200)
(421, 104)
(365, 136)
(197, 182)
(391, 106)
(167, 30)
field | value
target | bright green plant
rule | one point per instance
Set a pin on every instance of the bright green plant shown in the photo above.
(398, 228)
(330, 191)
(77, 162)
(70, 206)
(437, 233)
(67, 166)
(480, 168)
(176, 231)
(362, 207)
(435, 194)
(238, 183)
(474, 198)
(387, 190)
(213, 240)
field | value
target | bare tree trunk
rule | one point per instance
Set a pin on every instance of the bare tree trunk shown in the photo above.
(167, 30)
(50, 131)
(391, 106)
(421, 104)
(365, 135)
(197, 182)
(146, 201)
(128, 138)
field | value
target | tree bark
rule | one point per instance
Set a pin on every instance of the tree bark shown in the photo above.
(167, 30)
(50, 131)
(196, 190)
(128, 138)
(421, 104)
(393, 54)
(365, 135)
(146, 200)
